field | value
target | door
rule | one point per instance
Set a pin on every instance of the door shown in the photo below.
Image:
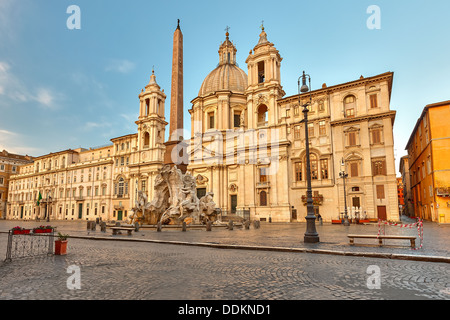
(382, 212)
(80, 211)
(119, 215)
(233, 200)
(356, 202)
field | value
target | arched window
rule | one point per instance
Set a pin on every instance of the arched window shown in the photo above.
(314, 166)
(350, 106)
(262, 115)
(263, 198)
(121, 187)
(146, 139)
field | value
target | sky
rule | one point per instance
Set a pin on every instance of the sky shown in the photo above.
(64, 88)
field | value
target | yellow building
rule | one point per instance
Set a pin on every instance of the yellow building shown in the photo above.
(429, 163)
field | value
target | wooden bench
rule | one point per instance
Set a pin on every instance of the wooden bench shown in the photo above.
(380, 238)
(115, 230)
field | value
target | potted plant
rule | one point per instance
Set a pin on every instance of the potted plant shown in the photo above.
(61, 244)
(43, 229)
(19, 230)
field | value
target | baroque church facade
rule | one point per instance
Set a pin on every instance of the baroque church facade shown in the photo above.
(247, 146)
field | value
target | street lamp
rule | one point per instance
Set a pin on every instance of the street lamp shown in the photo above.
(344, 176)
(311, 235)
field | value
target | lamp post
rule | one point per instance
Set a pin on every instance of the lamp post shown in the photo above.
(344, 176)
(311, 235)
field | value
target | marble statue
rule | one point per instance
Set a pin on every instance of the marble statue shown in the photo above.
(175, 201)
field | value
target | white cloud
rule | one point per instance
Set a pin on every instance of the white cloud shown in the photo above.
(13, 143)
(13, 88)
(96, 125)
(121, 66)
(45, 98)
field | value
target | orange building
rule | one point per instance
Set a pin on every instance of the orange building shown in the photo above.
(429, 163)
(9, 165)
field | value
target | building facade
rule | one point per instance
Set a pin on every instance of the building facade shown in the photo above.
(408, 208)
(429, 160)
(9, 166)
(247, 146)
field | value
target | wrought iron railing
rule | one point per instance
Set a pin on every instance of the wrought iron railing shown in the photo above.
(24, 245)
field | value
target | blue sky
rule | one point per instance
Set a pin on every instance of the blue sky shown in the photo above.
(62, 88)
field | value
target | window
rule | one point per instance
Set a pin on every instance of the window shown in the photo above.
(296, 110)
(143, 185)
(147, 107)
(121, 187)
(262, 115)
(322, 128)
(324, 168)
(311, 129)
(211, 120)
(379, 167)
(373, 101)
(298, 171)
(321, 106)
(261, 73)
(352, 138)
(349, 106)
(263, 174)
(146, 139)
(263, 198)
(380, 192)
(237, 120)
(375, 135)
(354, 169)
(314, 167)
(297, 131)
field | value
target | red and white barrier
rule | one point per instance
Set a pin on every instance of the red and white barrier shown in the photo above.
(418, 225)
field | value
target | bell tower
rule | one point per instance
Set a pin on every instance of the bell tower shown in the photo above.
(264, 83)
(151, 122)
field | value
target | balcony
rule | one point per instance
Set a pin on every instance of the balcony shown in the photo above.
(263, 184)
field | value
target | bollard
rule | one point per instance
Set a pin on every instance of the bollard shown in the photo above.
(230, 225)
(158, 226)
(184, 226)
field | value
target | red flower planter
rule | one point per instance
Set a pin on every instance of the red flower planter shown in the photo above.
(43, 231)
(26, 231)
(60, 247)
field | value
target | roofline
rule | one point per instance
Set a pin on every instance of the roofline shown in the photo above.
(389, 74)
(425, 110)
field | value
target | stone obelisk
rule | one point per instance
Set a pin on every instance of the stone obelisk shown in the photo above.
(178, 155)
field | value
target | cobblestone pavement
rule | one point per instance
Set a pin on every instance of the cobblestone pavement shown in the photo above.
(436, 238)
(113, 267)
(136, 270)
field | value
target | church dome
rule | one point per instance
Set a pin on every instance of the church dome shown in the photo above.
(227, 75)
